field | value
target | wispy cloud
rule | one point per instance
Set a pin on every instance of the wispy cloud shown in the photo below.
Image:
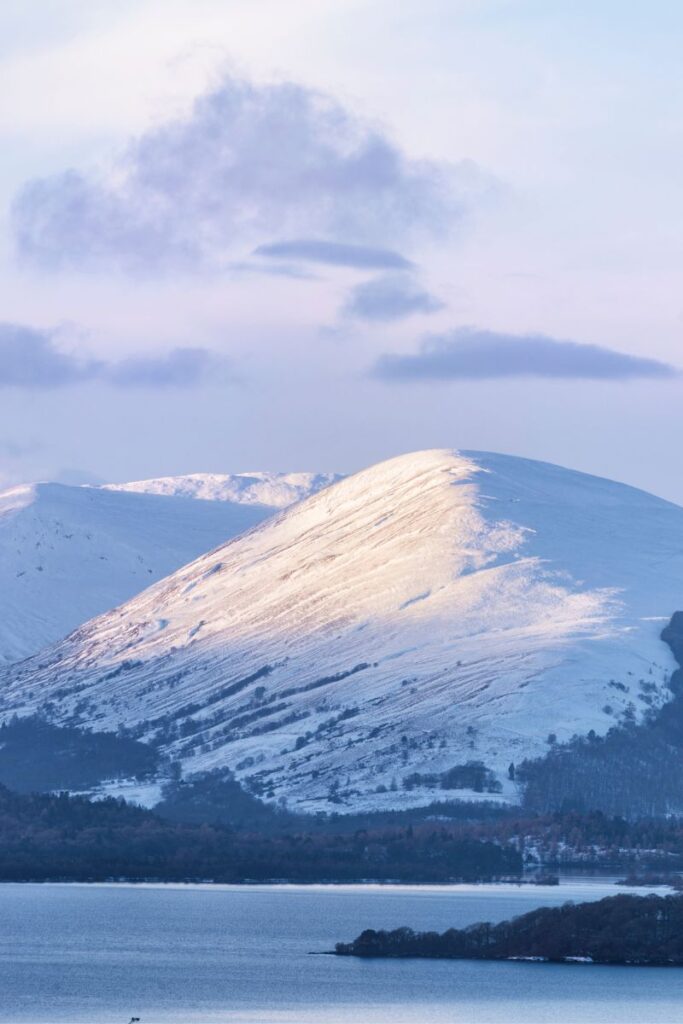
(471, 354)
(390, 297)
(249, 160)
(336, 254)
(30, 358)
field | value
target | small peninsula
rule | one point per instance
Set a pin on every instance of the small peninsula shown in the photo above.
(624, 929)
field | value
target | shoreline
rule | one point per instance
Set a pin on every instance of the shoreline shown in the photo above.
(609, 883)
(567, 961)
(368, 883)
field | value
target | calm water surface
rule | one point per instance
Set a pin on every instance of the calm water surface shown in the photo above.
(94, 954)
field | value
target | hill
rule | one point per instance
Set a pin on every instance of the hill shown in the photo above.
(68, 553)
(420, 626)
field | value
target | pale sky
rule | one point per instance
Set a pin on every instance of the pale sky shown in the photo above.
(248, 234)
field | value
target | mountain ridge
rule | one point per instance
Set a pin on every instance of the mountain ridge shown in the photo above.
(275, 490)
(69, 552)
(439, 609)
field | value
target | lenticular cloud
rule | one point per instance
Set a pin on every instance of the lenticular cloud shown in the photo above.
(472, 354)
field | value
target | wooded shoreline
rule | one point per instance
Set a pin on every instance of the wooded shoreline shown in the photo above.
(623, 929)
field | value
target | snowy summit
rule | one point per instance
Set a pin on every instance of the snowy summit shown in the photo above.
(435, 609)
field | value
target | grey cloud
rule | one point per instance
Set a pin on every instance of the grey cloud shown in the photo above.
(337, 254)
(180, 368)
(247, 161)
(29, 358)
(254, 268)
(472, 354)
(391, 297)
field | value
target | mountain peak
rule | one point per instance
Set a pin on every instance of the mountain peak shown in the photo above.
(437, 609)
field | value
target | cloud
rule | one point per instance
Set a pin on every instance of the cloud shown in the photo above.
(471, 354)
(337, 254)
(248, 160)
(179, 368)
(29, 358)
(391, 297)
(254, 268)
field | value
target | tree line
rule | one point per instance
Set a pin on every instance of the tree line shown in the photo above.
(60, 837)
(623, 929)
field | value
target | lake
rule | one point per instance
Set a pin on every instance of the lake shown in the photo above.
(96, 953)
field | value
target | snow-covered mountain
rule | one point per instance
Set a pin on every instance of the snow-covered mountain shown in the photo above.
(435, 609)
(68, 553)
(277, 490)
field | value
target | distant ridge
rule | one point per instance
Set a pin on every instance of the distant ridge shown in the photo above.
(70, 552)
(276, 490)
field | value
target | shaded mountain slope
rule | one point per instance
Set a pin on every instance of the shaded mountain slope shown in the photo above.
(68, 553)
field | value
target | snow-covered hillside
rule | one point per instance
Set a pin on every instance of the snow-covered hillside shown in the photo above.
(68, 553)
(277, 490)
(435, 609)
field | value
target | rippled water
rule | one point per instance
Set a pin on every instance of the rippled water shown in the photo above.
(240, 954)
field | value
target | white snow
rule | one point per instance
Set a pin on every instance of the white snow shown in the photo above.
(144, 794)
(68, 553)
(436, 608)
(277, 490)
